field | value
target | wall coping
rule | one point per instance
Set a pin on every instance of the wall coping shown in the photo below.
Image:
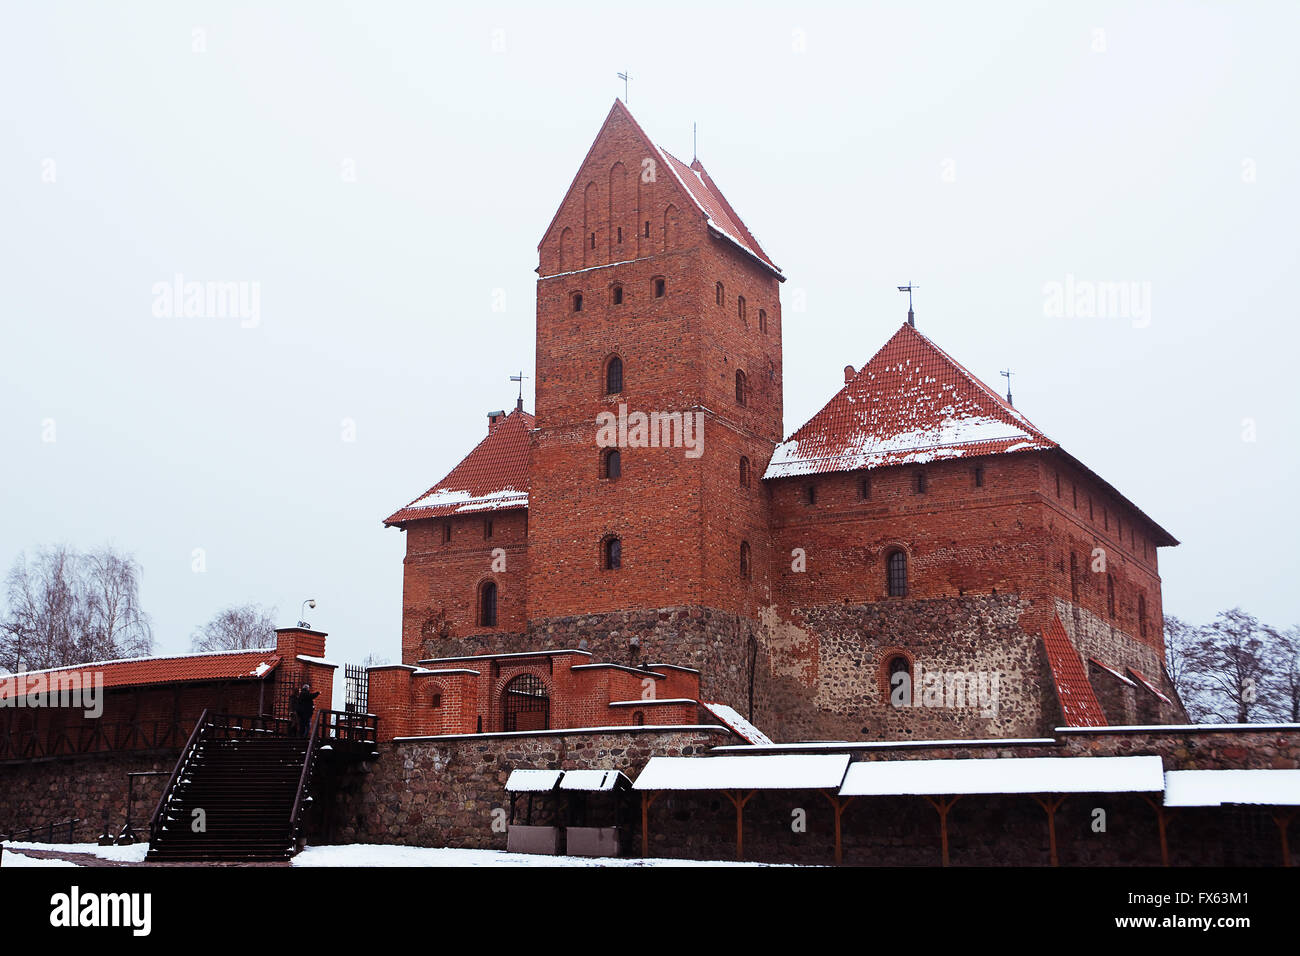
(1179, 728)
(651, 703)
(576, 732)
(843, 745)
(478, 657)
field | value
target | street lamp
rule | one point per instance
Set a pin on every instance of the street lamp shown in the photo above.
(302, 612)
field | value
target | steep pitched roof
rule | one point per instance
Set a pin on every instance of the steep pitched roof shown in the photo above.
(1148, 685)
(697, 187)
(188, 668)
(912, 403)
(492, 477)
(1079, 704)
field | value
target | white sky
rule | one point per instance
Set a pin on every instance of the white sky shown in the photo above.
(376, 295)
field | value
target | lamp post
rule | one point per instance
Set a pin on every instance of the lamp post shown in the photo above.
(302, 612)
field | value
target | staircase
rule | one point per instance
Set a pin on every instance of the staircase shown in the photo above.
(237, 793)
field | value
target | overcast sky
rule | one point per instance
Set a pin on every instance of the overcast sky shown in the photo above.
(379, 170)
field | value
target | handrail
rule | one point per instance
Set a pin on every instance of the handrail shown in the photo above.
(181, 761)
(307, 762)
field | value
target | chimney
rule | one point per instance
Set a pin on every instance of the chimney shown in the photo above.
(495, 419)
(848, 374)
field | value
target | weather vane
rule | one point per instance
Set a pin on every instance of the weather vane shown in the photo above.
(1006, 372)
(625, 76)
(519, 403)
(911, 318)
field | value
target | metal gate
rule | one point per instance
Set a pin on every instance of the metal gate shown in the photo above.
(356, 686)
(525, 704)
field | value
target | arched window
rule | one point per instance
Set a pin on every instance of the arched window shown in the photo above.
(896, 573)
(744, 472)
(659, 288)
(487, 604)
(744, 559)
(611, 463)
(762, 321)
(576, 300)
(638, 718)
(614, 376)
(740, 387)
(616, 294)
(896, 664)
(611, 554)
(525, 705)
(740, 309)
(719, 294)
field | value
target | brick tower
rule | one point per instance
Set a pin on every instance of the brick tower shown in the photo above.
(647, 267)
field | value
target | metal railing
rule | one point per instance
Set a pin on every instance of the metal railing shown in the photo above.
(187, 755)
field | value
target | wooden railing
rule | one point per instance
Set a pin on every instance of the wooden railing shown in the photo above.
(182, 762)
(92, 737)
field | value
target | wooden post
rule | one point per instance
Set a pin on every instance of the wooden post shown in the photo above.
(1283, 820)
(647, 797)
(943, 806)
(1051, 807)
(739, 803)
(1161, 822)
(839, 812)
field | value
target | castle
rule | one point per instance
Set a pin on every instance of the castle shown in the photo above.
(917, 561)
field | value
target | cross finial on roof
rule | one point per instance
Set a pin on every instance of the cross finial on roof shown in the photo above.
(911, 317)
(519, 403)
(1007, 372)
(625, 76)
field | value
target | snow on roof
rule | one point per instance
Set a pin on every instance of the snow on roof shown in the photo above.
(137, 671)
(1004, 775)
(731, 717)
(492, 477)
(845, 745)
(1111, 671)
(765, 772)
(1148, 685)
(532, 781)
(316, 660)
(1213, 788)
(911, 404)
(592, 780)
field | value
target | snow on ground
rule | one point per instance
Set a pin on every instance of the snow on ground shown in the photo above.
(376, 854)
(122, 854)
(12, 859)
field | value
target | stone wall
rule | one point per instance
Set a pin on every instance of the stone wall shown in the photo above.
(85, 787)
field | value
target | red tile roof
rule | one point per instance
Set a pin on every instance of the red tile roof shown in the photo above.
(699, 190)
(1079, 704)
(225, 665)
(1148, 685)
(912, 403)
(492, 477)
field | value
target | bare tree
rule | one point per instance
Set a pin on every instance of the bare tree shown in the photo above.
(65, 607)
(242, 628)
(1180, 641)
(1285, 681)
(1230, 660)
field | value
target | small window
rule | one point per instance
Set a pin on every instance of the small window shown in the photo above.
(638, 716)
(896, 574)
(616, 294)
(864, 489)
(487, 604)
(719, 294)
(1074, 577)
(979, 476)
(577, 302)
(593, 240)
(659, 288)
(744, 559)
(740, 387)
(614, 376)
(811, 494)
(740, 309)
(611, 554)
(487, 527)
(1142, 614)
(620, 235)
(1110, 595)
(611, 465)
(1090, 517)
(918, 483)
(897, 664)
(647, 228)
(435, 701)
(762, 321)
(744, 472)
(446, 532)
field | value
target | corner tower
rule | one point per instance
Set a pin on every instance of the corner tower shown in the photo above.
(647, 268)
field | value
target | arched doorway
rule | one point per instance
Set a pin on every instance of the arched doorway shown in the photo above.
(525, 704)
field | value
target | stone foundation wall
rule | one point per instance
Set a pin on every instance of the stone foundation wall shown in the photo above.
(86, 788)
